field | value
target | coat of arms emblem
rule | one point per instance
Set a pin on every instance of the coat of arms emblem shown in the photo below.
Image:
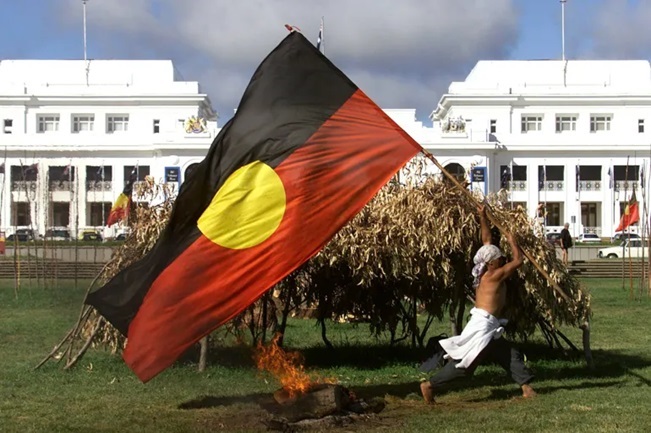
(195, 125)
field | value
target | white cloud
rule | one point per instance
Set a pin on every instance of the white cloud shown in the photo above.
(621, 30)
(403, 54)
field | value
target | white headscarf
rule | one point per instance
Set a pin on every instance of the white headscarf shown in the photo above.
(485, 254)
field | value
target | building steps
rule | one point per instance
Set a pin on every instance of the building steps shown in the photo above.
(609, 268)
(49, 269)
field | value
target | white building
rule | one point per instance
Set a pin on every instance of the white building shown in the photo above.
(538, 120)
(73, 131)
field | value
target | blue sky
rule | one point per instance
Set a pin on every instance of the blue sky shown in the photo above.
(393, 50)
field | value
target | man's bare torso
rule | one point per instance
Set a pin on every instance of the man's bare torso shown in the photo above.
(491, 294)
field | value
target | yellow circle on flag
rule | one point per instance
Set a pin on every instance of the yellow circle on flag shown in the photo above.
(247, 209)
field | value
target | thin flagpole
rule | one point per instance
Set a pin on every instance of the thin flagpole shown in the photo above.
(322, 35)
(510, 184)
(563, 29)
(84, 13)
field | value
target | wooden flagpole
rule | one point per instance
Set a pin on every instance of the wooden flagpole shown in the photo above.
(497, 224)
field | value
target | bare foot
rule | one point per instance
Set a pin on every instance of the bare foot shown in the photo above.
(427, 391)
(528, 392)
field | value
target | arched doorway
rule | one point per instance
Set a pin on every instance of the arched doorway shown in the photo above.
(455, 170)
(189, 170)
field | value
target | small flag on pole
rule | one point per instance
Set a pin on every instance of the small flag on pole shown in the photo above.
(611, 182)
(631, 213)
(319, 40)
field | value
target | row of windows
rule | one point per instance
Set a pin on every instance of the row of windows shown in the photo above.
(47, 123)
(565, 123)
(64, 173)
(618, 173)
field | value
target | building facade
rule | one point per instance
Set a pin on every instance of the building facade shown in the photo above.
(73, 132)
(572, 135)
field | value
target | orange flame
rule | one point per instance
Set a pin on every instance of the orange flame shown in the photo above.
(287, 367)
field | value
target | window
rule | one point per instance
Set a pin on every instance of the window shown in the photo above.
(627, 172)
(156, 126)
(590, 213)
(553, 214)
(519, 172)
(97, 173)
(98, 212)
(48, 123)
(8, 126)
(139, 172)
(565, 123)
(640, 126)
(21, 214)
(531, 123)
(599, 123)
(23, 173)
(493, 127)
(117, 123)
(82, 123)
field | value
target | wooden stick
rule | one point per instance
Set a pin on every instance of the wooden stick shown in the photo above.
(497, 224)
(55, 350)
(85, 347)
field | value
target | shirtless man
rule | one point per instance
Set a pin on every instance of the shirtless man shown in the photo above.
(481, 339)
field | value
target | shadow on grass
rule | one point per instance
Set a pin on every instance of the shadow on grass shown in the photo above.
(262, 399)
(548, 365)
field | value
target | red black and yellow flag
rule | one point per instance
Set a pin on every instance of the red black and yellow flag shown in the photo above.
(305, 151)
(120, 208)
(631, 214)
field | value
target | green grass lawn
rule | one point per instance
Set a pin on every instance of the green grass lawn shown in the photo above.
(102, 395)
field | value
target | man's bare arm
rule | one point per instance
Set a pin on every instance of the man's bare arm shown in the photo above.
(486, 237)
(518, 258)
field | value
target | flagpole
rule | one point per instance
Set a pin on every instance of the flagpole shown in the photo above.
(103, 206)
(625, 229)
(511, 182)
(545, 196)
(563, 29)
(84, 14)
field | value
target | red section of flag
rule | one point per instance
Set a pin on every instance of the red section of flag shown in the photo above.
(631, 215)
(327, 181)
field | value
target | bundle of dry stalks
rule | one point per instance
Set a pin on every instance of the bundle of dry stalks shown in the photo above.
(412, 247)
(148, 217)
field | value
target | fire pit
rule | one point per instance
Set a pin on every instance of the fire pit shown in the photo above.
(321, 405)
(305, 402)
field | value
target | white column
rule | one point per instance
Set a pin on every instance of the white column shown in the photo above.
(532, 188)
(607, 199)
(81, 196)
(572, 206)
(39, 214)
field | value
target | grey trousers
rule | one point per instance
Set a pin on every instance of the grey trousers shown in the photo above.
(498, 351)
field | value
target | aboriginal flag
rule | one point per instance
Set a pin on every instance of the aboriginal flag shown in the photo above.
(305, 151)
(120, 208)
(631, 214)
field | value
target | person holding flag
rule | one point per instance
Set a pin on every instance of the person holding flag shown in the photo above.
(481, 340)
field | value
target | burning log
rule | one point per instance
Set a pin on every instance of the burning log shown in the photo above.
(321, 405)
(318, 401)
